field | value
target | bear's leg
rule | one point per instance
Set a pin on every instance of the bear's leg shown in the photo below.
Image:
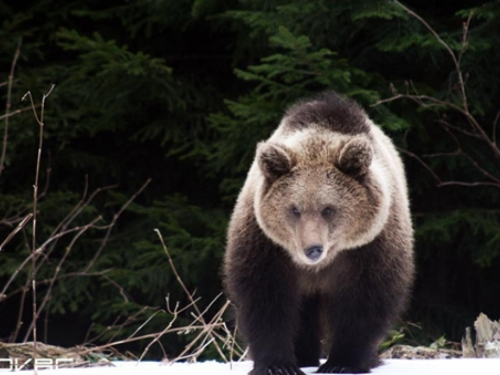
(307, 344)
(269, 318)
(360, 318)
(264, 288)
(355, 338)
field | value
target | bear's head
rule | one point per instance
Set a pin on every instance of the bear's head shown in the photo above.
(320, 195)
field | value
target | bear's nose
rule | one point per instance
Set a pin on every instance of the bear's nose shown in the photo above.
(314, 252)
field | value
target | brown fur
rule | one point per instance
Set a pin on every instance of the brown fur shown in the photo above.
(321, 228)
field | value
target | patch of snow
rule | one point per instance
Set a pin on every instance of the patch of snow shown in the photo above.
(462, 366)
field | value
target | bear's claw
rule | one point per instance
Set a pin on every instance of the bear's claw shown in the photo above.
(334, 368)
(277, 370)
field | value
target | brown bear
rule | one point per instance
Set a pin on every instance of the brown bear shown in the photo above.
(320, 242)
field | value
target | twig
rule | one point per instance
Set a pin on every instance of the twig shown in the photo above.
(448, 49)
(469, 184)
(143, 337)
(119, 287)
(424, 164)
(115, 217)
(460, 107)
(233, 342)
(8, 105)
(64, 276)
(35, 201)
(495, 123)
(14, 275)
(463, 48)
(439, 182)
(464, 109)
(457, 129)
(219, 350)
(20, 314)
(129, 320)
(61, 228)
(167, 329)
(16, 112)
(56, 273)
(205, 333)
(15, 231)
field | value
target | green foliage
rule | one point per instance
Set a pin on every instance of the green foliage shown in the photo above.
(395, 336)
(451, 227)
(439, 343)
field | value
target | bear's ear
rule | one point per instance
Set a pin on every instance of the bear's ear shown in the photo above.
(274, 161)
(355, 157)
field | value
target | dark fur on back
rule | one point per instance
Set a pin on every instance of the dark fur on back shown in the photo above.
(331, 110)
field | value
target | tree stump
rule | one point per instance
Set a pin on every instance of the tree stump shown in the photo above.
(487, 339)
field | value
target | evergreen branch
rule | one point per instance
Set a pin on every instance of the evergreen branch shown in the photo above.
(60, 277)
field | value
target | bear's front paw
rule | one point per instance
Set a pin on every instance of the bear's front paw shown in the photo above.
(277, 370)
(336, 368)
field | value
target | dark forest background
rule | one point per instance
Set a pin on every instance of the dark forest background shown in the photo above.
(179, 92)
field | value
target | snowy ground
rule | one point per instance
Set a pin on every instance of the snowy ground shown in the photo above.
(394, 366)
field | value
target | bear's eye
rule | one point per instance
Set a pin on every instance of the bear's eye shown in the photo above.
(295, 211)
(327, 212)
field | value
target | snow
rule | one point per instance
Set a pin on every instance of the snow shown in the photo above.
(394, 366)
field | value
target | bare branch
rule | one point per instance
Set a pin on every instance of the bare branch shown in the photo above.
(16, 112)
(143, 337)
(61, 228)
(495, 123)
(8, 105)
(470, 184)
(35, 201)
(446, 124)
(219, 350)
(15, 231)
(439, 182)
(466, 25)
(482, 170)
(424, 164)
(448, 49)
(14, 275)
(115, 217)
